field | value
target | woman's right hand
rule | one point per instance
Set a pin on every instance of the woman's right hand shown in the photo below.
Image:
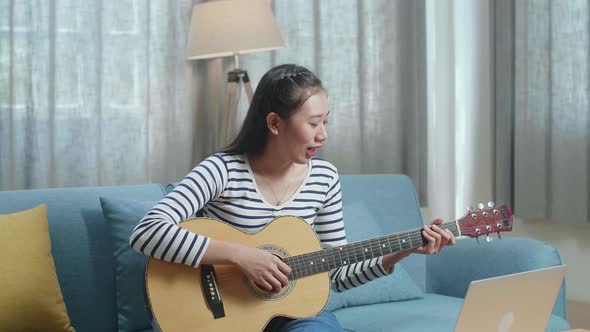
(265, 269)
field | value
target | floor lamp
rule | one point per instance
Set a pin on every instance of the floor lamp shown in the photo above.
(231, 28)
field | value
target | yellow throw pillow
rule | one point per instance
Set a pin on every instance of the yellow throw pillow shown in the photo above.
(30, 296)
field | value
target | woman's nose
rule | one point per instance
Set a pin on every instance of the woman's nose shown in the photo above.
(322, 135)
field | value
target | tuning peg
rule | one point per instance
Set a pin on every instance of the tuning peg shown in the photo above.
(469, 208)
(489, 238)
(499, 236)
(491, 204)
(480, 206)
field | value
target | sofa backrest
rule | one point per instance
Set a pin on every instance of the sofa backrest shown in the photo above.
(391, 204)
(81, 239)
(81, 246)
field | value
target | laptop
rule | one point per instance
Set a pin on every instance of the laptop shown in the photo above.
(515, 302)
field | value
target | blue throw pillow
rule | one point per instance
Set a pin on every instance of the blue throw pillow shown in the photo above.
(397, 287)
(360, 224)
(122, 215)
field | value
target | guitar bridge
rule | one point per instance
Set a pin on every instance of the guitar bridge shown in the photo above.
(211, 290)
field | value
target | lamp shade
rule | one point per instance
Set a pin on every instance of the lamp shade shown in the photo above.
(232, 27)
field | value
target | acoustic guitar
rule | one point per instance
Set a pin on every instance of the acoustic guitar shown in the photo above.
(221, 298)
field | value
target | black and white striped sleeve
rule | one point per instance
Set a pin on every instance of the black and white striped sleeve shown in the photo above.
(329, 226)
(158, 235)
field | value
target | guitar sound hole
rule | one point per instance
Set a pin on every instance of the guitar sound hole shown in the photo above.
(273, 291)
(261, 291)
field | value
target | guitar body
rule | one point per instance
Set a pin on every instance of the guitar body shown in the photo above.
(177, 300)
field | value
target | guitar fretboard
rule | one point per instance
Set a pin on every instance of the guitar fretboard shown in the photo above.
(328, 259)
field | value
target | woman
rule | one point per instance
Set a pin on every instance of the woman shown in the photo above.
(268, 171)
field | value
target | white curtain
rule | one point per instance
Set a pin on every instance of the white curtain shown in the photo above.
(100, 92)
(94, 92)
(543, 111)
(552, 110)
(460, 114)
(508, 107)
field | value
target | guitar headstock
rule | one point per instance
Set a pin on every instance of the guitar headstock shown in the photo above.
(486, 220)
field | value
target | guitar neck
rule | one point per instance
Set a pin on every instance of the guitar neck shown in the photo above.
(331, 258)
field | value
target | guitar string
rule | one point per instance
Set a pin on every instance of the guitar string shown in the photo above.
(358, 248)
(354, 250)
(361, 247)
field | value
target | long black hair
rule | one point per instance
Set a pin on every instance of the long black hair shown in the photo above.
(282, 90)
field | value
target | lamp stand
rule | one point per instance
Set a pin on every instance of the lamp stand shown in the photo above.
(236, 80)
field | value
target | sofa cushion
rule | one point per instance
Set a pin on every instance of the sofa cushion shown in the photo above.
(415, 315)
(360, 223)
(122, 215)
(431, 313)
(31, 296)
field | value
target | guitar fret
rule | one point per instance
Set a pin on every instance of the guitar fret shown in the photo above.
(347, 252)
(371, 248)
(358, 253)
(299, 267)
(310, 262)
(342, 260)
(364, 250)
(325, 261)
(335, 257)
(393, 243)
(407, 241)
(399, 243)
(380, 246)
(389, 246)
(316, 262)
(306, 265)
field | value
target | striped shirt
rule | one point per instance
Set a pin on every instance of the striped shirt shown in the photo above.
(223, 187)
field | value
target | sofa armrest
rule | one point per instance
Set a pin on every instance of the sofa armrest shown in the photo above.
(450, 272)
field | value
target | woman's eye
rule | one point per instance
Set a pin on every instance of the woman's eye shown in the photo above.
(313, 125)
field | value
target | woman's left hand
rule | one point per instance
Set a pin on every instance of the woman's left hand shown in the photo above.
(437, 239)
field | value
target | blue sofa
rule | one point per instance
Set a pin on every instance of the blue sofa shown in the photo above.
(373, 205)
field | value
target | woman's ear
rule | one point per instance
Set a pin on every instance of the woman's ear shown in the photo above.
(272, 122)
